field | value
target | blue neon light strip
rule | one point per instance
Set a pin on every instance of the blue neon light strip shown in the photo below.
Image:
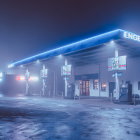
(83, 44)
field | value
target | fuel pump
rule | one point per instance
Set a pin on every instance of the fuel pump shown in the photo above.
(126, 92)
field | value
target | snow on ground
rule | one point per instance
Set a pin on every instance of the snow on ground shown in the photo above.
(59, 119)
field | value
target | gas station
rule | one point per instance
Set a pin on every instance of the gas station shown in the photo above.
(105, 65)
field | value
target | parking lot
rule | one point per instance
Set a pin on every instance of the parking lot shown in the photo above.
(62, 119)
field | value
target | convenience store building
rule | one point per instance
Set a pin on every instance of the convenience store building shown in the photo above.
(98, 65)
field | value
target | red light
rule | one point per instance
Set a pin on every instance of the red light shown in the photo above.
(20, 78)
(17, 77)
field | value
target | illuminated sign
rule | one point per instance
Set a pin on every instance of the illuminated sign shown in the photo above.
(118, 63)
(132, 36)
(66, 70)
(44, 73)
(117, 73)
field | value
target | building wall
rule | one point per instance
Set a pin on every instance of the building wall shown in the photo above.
(54, 82)
(132, 74)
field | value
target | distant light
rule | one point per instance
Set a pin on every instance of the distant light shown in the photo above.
(33, 78)
(20, 78)
(11, 66)
(21, 95)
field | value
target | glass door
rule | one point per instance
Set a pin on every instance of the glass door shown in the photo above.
(84, 88)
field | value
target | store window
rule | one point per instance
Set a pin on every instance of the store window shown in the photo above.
(138, 85)
(103, 86)
(96, 84)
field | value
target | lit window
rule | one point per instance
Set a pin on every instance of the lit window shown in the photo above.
(103, 86)
(95, 84)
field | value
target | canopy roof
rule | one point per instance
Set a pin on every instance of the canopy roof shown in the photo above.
(87, 44)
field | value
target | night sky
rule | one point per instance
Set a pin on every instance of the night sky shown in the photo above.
(28, 27)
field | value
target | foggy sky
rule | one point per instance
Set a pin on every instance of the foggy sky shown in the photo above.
(28, 27)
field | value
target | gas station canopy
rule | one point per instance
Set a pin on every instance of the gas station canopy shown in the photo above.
(91, 49)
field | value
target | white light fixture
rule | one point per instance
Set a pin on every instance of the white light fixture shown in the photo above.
(112, 42)
(11, 66)
(37, 61)
(60, 55)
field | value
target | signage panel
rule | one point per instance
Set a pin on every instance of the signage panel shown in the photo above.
(66, 70)
(122, 62)
(118, 74)
(132, 36)
(87, 76)
(118, 63)
(44, 73)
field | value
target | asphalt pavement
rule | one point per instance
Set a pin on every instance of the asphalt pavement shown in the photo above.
(35, 118)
